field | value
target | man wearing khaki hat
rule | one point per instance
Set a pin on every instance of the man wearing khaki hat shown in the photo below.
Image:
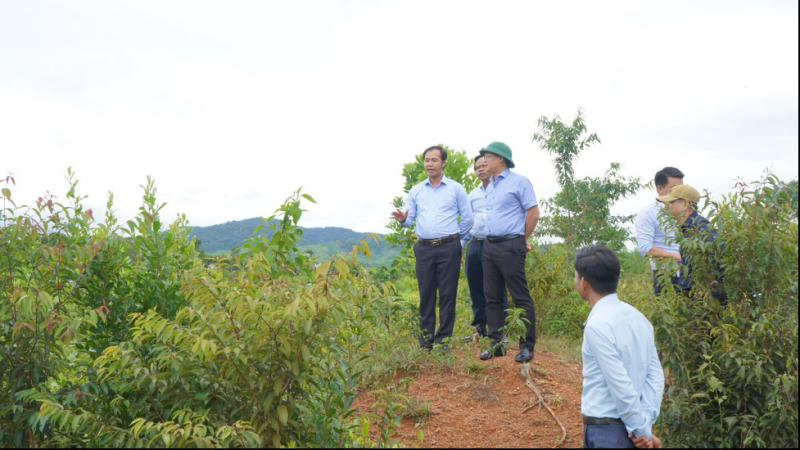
(681, 202)
(512, 212)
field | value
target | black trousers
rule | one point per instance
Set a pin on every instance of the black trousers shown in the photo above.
(504, 266)
(437, 269)
(473, 269)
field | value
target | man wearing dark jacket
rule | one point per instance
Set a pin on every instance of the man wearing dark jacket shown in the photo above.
(681, 202)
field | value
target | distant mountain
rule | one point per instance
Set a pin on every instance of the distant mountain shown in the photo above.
(322, 242)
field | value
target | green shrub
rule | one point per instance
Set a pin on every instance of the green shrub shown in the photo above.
(67, 287)
(113, 336)
(559, 309)
(734, 369)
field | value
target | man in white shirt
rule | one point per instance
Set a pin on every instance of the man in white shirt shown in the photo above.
(651, 236)
(623, 382)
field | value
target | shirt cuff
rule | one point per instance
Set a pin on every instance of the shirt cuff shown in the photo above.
(643, 249)
(639, 432)
(530, 205)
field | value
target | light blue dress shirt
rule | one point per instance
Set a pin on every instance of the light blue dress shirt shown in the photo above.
(622, 375)
(649, 233)
(509, 196)
(477, 202)
(436, 209)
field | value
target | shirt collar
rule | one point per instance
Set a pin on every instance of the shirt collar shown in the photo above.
(690, 220)
(604, 302)
(503, 174)
(443, 181)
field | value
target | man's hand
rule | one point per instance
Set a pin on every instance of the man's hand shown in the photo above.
(528, 244)
(661, 253)
(641, 442)
(645, 442)
(400, 216)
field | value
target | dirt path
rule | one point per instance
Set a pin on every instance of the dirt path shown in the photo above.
(483, 407)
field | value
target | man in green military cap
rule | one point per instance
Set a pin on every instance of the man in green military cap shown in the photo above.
(512, 212)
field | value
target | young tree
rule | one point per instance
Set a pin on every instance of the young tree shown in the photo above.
(580, 213)
(592, 221)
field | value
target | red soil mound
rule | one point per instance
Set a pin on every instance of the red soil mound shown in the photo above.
(483, 408)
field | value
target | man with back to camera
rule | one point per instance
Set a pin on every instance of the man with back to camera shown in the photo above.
(651, 236)
(435, 205)
(511, 216)
(473, 265)
(623, 382)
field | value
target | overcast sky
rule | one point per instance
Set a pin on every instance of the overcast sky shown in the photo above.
(231, 106)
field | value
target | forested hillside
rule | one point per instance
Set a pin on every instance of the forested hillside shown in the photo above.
(320, 242)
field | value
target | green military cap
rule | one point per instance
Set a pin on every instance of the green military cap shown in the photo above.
(500, 149)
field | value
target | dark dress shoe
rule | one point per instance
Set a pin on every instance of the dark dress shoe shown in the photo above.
(489, 354)
(523, 356)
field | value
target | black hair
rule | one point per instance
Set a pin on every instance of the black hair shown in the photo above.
(662, 176)
(599, 266)
(475, 162)
(442, 151)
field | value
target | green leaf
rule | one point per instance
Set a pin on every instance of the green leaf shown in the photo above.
(283, 414)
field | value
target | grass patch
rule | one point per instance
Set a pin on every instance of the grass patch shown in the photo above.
(566, 348)
(541, 371)
(480, 390)
(474, 366)
(389, 359)
(415, 408)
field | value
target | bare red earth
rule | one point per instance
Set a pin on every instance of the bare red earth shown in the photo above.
(485, 409)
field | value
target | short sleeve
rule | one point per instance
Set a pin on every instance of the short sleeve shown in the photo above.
(527, 197)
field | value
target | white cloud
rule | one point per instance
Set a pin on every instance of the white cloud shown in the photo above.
(231, 107)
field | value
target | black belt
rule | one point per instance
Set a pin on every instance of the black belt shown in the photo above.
(498, 239)
(587, 420)
(479, 241)
(438, 241)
